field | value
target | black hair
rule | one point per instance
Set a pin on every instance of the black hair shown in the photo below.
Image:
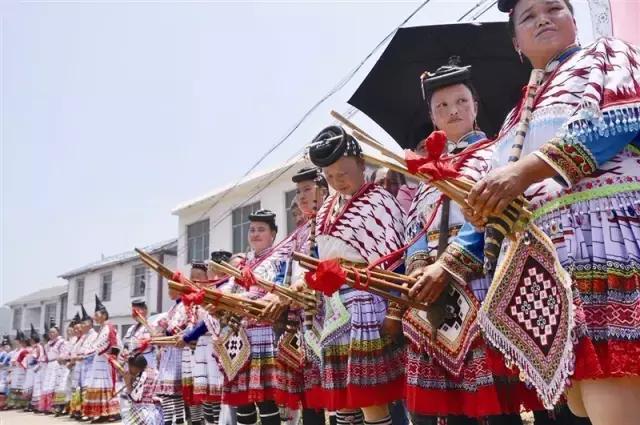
(512, 26)
(138, 361)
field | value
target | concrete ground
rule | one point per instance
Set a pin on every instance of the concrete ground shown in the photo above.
(13, 417)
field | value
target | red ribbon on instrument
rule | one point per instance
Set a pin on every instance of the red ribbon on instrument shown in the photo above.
(327, 278)
(143, 345)
(433, 163)
(195, 297)
(177, 277)
(357, 283)
(248, 279)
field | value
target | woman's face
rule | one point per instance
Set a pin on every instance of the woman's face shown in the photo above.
(309, 196)
(197, 274)
(346, 175)
(543, 28)
(454, 110)
(260, 236)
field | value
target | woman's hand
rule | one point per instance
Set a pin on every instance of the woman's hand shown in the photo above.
(275, 307)
(430, 284)
(491, 195)
(477, 220)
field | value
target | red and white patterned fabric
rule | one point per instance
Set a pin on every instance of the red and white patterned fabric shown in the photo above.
(99, 397)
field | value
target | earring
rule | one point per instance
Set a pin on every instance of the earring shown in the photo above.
(520, 54)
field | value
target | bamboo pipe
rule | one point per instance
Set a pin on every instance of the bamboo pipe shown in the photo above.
(224, 302)
(377, 291)
(462, 183)
(376, 272)
(301, 299)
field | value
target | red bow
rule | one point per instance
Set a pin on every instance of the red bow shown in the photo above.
(248, 279)
(195, 297)
(433, 164)
(328, 277)
(177, 277)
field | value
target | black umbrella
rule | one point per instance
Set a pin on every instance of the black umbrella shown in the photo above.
(391, 94)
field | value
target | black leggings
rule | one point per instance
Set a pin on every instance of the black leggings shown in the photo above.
(247, 414)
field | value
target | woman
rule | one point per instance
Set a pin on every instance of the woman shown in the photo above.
(360, 223)
(18, 372)
(457, 375)
(579, 170)
(252, 389)
(141, 381)
(170, 369)
(99, 402)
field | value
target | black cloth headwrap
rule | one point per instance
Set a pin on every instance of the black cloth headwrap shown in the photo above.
(310, 173)
(139, 303)
(220, 256)
(331, 144)
(99, 306)
(76, 319)
(265, 216)
(199, 265)
(6, 340)
(52, 323)
(506, 6)
(85, 316)
(447, 75)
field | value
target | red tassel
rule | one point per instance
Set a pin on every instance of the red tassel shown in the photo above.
(196, 297)
(328, 277)
(177, 277)
(248, 278)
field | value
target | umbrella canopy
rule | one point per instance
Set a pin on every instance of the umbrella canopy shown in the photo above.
(391, 94)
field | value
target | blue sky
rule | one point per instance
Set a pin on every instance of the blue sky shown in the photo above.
(115, 112)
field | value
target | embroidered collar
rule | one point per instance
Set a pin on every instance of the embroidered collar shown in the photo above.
(466, 140)
(558, 59)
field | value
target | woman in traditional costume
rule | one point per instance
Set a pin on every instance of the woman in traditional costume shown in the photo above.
(579, 169)
(141, 387)
(452, 373)
(170, 369)
(252, 389)
(34, 363)
(359, 224)
(62, 393)
(18, 372)
(5, 366)
(51, 368)
(100, 402)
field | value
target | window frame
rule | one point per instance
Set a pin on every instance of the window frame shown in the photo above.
(202, 238)
(103, 296)
(19, 311)
(79, 288)
(134, 284)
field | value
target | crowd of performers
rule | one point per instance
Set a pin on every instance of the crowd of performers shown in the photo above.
(420, 298)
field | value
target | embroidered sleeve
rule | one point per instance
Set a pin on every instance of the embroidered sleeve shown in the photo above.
(574, 160)
(607, 119)
(463, 257)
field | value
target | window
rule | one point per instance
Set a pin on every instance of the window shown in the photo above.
(198, 241)
(288, 199)
(79, 290)
(63, 308)
(49, 313)
(17, 319)
(105, 286)
(240, 225)
(123, 330)
(139, 281)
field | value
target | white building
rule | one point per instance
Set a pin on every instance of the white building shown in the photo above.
(119, 279)
(38, 308)
(219, 219)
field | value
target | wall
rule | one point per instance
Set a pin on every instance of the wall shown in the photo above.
(119, 306)
(220, 237)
